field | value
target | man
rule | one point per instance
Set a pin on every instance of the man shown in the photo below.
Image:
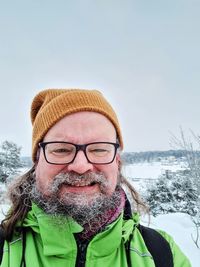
(70, 208)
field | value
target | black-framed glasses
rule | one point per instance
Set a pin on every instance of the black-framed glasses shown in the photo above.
(59, 153)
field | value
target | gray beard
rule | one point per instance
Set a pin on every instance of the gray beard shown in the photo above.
(77, 206)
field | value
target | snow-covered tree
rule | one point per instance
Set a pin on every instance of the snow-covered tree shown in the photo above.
(9, 159)
(158, 196)
(191, 147)
(174, 192)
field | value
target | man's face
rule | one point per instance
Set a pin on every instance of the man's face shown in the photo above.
(79, 128)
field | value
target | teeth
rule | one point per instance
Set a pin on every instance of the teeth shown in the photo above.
(83, 184)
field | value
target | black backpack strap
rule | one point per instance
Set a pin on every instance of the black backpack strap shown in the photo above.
(1, 243)
(158, 246)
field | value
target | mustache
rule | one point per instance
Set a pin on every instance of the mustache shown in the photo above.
(74, 179)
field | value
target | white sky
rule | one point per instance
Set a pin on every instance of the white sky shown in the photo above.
(144, 56)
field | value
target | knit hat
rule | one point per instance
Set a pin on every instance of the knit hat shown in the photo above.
(51, 105)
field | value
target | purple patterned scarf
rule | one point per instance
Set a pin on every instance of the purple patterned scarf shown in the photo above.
(99, 223)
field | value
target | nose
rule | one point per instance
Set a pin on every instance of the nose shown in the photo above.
(80, 164)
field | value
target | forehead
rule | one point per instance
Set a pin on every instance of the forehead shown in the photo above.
(84, 124)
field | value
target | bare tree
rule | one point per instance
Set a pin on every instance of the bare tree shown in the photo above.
(191, 147)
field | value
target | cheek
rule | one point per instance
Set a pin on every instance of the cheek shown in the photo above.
(41, 179)
(45, 173)
(114, 178)
(111, 173)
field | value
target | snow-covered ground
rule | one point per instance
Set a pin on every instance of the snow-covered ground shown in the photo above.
(3, 209)
(181, 228)
(178, 225)
(150, 170)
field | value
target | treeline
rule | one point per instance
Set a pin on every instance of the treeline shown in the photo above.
(149, 156)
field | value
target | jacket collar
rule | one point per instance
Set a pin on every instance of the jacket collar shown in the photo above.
(57, 234)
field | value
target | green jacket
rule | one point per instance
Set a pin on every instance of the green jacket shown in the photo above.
(51, 243)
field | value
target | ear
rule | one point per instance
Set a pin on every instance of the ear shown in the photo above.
(37, 156)
(118, 159)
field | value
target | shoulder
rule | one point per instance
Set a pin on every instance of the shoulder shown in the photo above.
(179, 257)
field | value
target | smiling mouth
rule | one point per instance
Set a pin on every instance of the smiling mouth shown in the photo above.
(80, 188)
(82, 184)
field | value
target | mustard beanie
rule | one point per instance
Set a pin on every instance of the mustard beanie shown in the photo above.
(51, 105)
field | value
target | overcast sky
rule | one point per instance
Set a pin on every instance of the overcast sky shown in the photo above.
(143, 55)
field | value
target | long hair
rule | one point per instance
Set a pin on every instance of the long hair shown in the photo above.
(19, 194)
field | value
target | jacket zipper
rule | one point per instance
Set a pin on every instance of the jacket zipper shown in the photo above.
(81, 252)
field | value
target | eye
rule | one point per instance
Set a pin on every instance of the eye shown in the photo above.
(98, 152)
(62, 151)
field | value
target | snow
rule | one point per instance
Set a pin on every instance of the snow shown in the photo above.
(150, 170)
(3, 209)
(178, 225)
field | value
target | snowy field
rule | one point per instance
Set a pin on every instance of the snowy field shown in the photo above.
(150, 170)
(178, 225)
